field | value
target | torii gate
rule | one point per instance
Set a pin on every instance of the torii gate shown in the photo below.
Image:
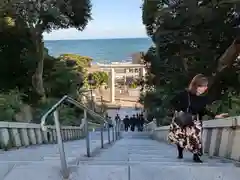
(112, 68)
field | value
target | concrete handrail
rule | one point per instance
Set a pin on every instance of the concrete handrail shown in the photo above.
(19, 134)
(220, 137)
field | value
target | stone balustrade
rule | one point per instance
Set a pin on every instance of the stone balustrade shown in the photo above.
(221, 137)
(24, 134)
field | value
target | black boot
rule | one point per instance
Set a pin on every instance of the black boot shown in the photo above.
(196, 158)
(180, 152)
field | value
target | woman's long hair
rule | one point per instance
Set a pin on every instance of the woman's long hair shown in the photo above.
(198, 80)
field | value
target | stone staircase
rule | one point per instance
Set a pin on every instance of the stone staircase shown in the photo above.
(43, 161)
(134, 157)
(137, 157)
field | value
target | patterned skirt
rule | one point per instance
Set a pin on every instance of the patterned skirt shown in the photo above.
(189, 138)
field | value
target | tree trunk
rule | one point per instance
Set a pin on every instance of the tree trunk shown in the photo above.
(228, 57)
(225, 61)
(37, 78)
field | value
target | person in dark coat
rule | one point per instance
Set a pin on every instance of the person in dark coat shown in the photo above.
(126, 123)
(133, 121)
(141, 122)
(191, 101)
(117, 118)
(138, 122)
(109, 120)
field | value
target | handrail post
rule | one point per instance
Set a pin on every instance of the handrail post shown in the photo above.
(64, 167)
(116, 132)
(101, 137)
(113, 133)
(87, 133)
(120, 128)
(108, 128)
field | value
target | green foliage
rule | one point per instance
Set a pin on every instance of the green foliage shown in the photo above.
(68, 115)
(60, 79)
(100, 78)
(49, 15)
(10, 104)
(44, 16)
(189, 38)
(25, 64)
(16, 58)
(77, 61)
(133, 85)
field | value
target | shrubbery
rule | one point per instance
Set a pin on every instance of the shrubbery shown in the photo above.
(100, 78)
(10, 104)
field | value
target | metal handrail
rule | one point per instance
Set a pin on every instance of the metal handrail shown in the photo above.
(72, 101)
(54, 110)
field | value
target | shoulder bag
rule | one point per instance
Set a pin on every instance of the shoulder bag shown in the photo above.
(184, 119)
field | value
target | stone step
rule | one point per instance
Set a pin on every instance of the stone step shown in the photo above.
(58, 158)
(163, 163)
(123, 172)
(156, 172)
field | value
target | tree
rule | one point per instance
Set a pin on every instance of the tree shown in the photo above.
(80, 62)
(99, 78)
(189, 37)
(60, 79)
(45, 16)
(16, 58)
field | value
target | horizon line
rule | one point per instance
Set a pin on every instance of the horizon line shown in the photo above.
(97, 39)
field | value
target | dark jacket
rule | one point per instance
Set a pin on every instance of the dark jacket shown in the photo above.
(197, 104)
(126, 120)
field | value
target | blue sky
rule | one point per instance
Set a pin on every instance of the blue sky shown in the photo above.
(111, 19)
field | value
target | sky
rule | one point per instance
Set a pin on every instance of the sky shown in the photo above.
(111, 19)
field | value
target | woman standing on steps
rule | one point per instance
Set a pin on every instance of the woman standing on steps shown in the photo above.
(190, 107)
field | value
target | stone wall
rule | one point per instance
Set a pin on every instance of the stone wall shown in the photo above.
(221, 137)
(24, 134)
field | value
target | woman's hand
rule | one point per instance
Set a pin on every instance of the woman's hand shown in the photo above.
(223, 115)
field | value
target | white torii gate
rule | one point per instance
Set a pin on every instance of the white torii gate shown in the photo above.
(112, 75)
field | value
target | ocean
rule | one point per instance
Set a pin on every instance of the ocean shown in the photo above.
(101, 50)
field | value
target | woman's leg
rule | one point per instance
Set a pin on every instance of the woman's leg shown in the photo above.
(177, 136)
(180, 151)
(196, 158)
(195, 141)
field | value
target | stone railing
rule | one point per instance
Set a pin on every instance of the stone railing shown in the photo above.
(221, 137)
(24, 134)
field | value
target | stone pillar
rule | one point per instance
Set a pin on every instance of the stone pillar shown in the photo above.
(32, 136)
(24, 137)
(39, 136)
(5, 137)
(142, 72)
(15, 137)
(112, 85)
